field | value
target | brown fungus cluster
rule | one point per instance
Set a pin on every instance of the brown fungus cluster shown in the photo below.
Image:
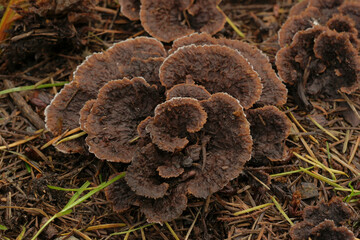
(168, 20)
(319, 49)
(324, 221)
(178, 120)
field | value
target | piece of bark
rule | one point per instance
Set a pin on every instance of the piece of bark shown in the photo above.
(32, 116)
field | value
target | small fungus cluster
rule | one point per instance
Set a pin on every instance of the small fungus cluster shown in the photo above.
(168, 20)
(319, 48)
(324, 221)
(186, 120)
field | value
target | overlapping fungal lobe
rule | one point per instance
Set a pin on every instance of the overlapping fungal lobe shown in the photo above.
(217, 68)
(352, 9)
(204, 16)
(344, 24)
(274, 91)
(164, 19)
(324, 222)
(299, 7)
(84, 113)
(63, 115)
(133, 57)
(174, 120)
(130, 9)
(188, 90)
(226, 145)
(112, 123)
(320, 61)
(269, 129)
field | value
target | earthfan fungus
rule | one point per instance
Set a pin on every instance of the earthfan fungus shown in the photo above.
(273, 92)
(320, 61)
(199, 153)
(168, 20)
(269, 129)
(138, 57)
(324, 222)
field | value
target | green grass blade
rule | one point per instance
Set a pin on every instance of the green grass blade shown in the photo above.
(2, 227)
(77, 194)
(32, 87)
(132, 230)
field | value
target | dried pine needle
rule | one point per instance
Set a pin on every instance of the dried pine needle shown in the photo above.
(323, 129)
(172, 231)
(236, 29)
(301, 127)
(253, 209)
(288, 173)
(355, 149)
(72, 137)
(278, 206)
(17, 143)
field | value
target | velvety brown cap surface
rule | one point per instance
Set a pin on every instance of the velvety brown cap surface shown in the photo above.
(172, 122)
(217, 68)
(112, 123)
(195, 38)
(84, 113)
(206, 17)
(301, 231)
(269, 129)
(346, 25)
(226, 145)
(327, 230)
(188, 90)
(130, 9)
(63, 114)
(161, 20)
(299, 7)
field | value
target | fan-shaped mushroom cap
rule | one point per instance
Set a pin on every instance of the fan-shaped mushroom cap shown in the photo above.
(188, 90)
(63, 114)
(328, 230)
(217, 68)
(173, 121)
(334, 210)
(162, 18)
(84, 113)
(226, 145)
(269, 129)
(301, 231)
(112, 123)
(93, 73)
(100, 68)
(166, 208)
(274, 91)
(130, 9)
(297, 23)
(206, 17)
(120, 195)
(352, 9)
(346, 25)
(298, 8)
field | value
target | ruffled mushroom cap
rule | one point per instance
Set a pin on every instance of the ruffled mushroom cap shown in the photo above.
(130, 9)
(322, 221)
(173, 121)
(188, 90)
(334, 210)
(328, 230)
(206, 17)
(217, 68)
(297, 23)
(352, 9)
(226, 145)
(63, 114)
(162, 19)
(269, 129)
(140, 55)
(112, 123)
(346, 25)
(274, 91)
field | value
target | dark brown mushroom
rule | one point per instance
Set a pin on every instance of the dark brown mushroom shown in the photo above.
(98, 69)
(301, 231)
(188, 90)
(173, 121)
(298, 8)
(352, 9)
(217, 68)
(206, 17)
(274, 91)
(112, 127)
(269, 129)
(63, 114)
(334, 210)
(162, 18)
(226, 145)
(327, 230)
(130, 9)
(346, 25)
